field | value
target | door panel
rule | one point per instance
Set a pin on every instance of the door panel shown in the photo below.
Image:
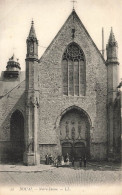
(79, 150)
(67, 148)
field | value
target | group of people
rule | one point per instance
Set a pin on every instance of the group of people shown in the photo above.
(82, 162)
(49, 159)
(60, 160)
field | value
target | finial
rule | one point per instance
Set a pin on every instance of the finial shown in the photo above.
(32, 22)
(73, 2)
(103, 42)
(111, 30)
(12, 57)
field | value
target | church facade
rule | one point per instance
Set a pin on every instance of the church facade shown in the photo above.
(68, 101)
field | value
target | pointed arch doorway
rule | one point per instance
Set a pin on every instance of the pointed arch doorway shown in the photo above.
(75, 133)
(17, 137)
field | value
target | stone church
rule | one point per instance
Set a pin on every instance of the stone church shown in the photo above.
(67, 101)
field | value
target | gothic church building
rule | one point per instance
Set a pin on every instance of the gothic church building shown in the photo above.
(67, 102)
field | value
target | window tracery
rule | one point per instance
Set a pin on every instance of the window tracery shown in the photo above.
(74, 71)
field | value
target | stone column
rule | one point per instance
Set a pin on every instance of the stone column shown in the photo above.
(36, 126)
(31, 156)
(110, 132)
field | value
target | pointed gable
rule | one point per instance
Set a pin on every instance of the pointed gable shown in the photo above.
(74, 20)
(73, 31)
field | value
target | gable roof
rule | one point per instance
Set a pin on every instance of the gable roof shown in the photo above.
(74, 14)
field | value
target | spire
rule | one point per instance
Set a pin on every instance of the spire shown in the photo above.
(112, 40)
(32, 33)
(32, 43)
(112, 49)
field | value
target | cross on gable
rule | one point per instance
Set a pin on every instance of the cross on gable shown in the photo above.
(73, 1)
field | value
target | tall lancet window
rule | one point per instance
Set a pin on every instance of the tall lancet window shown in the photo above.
(74, 71)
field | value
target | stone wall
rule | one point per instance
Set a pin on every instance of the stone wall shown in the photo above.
(13, 100)
(7, 84)
(52, 100)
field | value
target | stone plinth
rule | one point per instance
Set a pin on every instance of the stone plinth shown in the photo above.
(31, 159)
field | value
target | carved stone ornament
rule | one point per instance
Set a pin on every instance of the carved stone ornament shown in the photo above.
(67, 130)
(72, 122)
(73, 133)
(30, 146)
(34, 103)
(79, 132)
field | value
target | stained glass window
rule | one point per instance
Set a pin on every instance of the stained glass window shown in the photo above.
(74, 71)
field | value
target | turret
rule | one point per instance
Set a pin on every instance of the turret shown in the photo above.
(13, 68)
(112, 63)
(31, 59)
(112, 49)
(112, 83)
(32, 44)
(31, 156)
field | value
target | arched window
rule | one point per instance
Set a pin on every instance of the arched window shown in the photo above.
(74, 71)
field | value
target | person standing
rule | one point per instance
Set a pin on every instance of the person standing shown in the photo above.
(57, 162)
(62, 160)
(47, 159)
(50, 159)
(85, 161)
(73, 160)
(67, 159)
(80, 162)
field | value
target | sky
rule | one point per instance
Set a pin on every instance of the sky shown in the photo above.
(49, 16)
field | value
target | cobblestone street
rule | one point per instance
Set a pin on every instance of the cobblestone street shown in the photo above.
(63, 176)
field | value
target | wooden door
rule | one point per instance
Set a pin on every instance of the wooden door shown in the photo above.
(79, 150)
(67, 148)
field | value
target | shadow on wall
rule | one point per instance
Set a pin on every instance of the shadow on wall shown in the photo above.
(12, 130)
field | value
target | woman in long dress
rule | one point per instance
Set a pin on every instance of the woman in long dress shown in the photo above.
(67, 159)
(62, 160)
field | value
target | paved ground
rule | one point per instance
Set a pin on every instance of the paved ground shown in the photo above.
(46, 175)
(23, 168)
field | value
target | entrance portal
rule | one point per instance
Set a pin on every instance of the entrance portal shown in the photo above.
(75, 133)
(17, 137)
